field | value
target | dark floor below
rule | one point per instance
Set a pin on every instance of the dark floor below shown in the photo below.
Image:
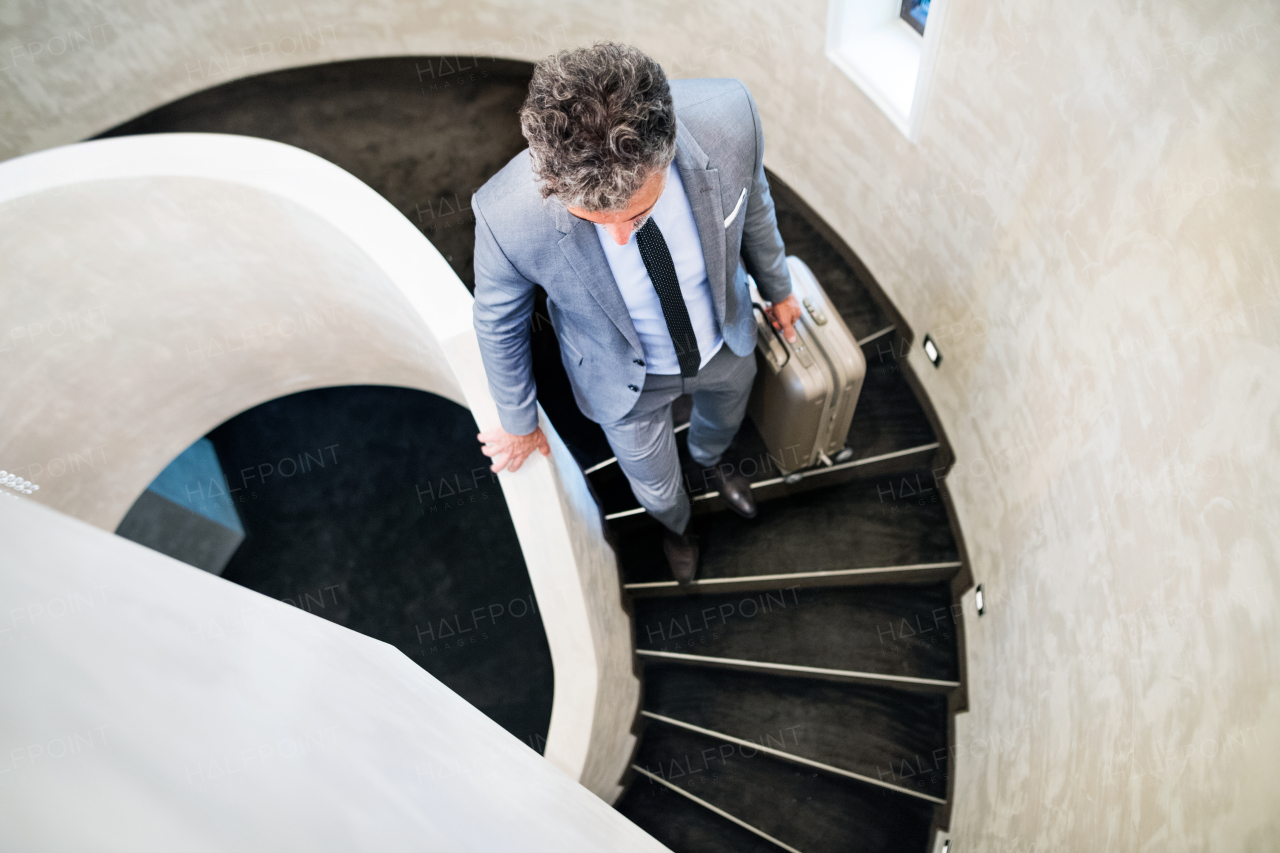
(373, 507)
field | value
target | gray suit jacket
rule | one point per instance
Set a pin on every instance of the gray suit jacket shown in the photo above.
(523, 240)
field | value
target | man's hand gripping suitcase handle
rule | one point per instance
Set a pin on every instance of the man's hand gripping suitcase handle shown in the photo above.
(784, 315)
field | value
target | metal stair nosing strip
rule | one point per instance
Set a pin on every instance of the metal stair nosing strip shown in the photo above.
(875, 335)
(771, 581)
(760, 484)
(802, 671)
(724, 814)
(787, 756)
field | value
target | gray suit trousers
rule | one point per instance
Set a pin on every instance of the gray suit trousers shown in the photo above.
(645, 442)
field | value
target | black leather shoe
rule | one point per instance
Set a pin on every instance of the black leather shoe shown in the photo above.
(736, 491)
(682, 555)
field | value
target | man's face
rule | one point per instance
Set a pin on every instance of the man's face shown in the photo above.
(621, 224)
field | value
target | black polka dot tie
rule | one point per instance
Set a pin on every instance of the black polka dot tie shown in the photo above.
(662, 272)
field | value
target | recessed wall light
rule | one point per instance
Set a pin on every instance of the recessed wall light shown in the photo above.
(931, 350)
(977, 600)
(16, 483)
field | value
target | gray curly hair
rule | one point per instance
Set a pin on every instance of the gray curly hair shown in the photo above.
(599, 121)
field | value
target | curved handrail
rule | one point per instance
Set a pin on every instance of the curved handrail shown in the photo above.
(572, 569)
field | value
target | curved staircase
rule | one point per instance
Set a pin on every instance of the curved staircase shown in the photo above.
(800, 695)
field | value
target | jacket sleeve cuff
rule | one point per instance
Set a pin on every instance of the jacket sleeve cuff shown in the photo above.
(777, 291)
(518, 421)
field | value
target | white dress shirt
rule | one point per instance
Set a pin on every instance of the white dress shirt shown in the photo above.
(674, 217)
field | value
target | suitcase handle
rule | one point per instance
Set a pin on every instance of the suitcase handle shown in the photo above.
(775, 353)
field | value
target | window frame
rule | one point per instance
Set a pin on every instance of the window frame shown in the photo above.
(885, 57)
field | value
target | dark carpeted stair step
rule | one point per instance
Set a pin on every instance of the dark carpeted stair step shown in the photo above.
(684, 825)
(885, 530)
(848, 285)
(881, 737)
(896, 631)
(888, 417)
(800, 807)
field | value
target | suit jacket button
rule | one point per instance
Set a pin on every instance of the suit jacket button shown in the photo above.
(633, 388)
(639, 361)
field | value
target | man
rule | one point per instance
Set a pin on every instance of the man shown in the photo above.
(640, 206)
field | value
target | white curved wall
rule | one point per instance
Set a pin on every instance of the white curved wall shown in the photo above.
(181, 279)
(1087, 227)
(136, 722)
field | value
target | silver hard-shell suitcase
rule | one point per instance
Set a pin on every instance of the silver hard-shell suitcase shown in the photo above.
(805, 392)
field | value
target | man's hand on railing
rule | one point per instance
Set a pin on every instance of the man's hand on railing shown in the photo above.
(509, 451)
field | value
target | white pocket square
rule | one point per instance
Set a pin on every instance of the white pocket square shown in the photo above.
(736, 208)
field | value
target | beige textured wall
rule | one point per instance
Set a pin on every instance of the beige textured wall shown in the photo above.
(1088, 227)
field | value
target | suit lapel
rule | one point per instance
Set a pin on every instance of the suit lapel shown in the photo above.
(581, 248)
(702, 186)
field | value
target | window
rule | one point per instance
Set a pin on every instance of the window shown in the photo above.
(885, 48)
(915, 13)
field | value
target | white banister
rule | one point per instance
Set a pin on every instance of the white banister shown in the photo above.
(174, 241)
(150, 706)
